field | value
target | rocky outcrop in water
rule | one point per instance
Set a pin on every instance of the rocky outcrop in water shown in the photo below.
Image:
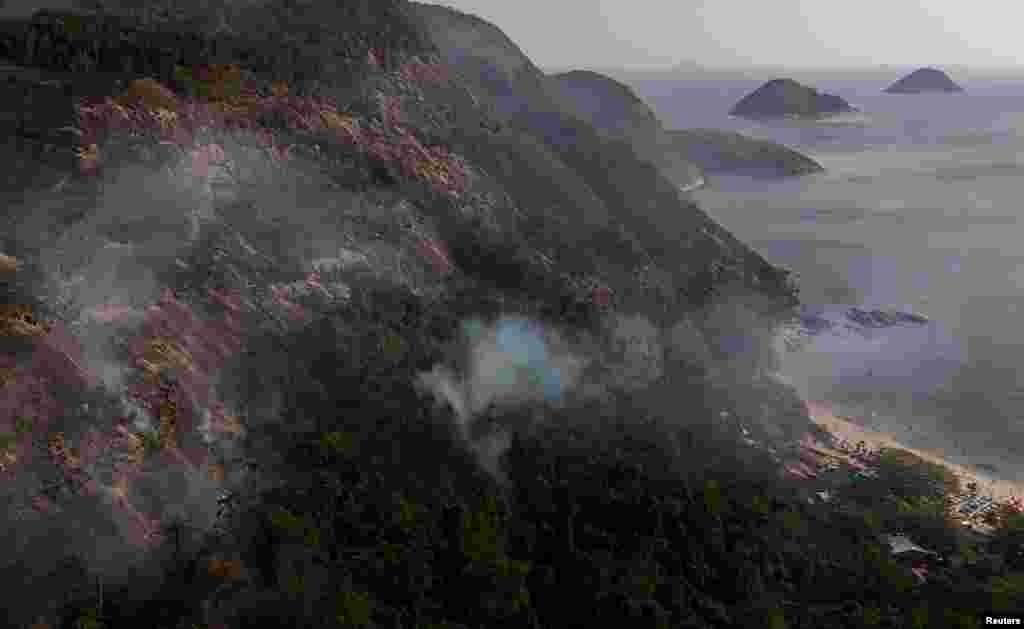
(782, 98)
(808, 323)
(924, 80)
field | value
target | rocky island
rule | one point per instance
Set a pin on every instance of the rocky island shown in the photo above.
(682, 155)
(786, 98)
(924, 80)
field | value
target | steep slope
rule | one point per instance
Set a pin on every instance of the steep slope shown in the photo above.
(780, 98)
(613, 108)
(292, 348)
(220, 248)
(641, 205)
(492, 62)
(727, 152)
(606, 103)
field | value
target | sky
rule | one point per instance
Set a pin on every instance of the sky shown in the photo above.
(559, 34)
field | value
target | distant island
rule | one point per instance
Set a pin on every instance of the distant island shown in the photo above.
(681, 154)
(782, 98)
(924, 80)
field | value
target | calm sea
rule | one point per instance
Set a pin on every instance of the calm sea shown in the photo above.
(920, 208)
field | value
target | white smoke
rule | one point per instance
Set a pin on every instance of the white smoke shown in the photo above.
(513, 361)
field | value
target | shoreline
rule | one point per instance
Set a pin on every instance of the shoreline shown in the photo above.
(1000, 490)
(700, 183)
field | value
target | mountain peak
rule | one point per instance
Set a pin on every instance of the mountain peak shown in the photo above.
(924, 80)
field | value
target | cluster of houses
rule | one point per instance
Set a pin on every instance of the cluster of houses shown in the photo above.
(859, 452)
(812, 461)
(831, 466)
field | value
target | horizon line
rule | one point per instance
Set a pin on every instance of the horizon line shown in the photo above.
(684, 67)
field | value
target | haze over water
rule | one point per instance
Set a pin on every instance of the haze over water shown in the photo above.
(920, 208)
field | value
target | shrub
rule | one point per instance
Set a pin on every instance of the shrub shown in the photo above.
(218, 82)
(353, 609)
(22, 424)
(337, 442)
(775, 619)
(151, 94)
(480, 533)
(151, 440)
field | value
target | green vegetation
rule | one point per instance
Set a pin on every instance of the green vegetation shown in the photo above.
(383, 520)
(22, 424)
(372, 511)
(381, 516)
(89, 619)
(150, 440)
(216, 83)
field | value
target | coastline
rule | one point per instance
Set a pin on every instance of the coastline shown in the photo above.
(700, 183)
(999, 489)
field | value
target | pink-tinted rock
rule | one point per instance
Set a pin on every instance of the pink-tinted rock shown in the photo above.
(110, 313)
(436, 255)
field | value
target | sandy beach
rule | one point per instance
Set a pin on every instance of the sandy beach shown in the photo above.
(999, 489)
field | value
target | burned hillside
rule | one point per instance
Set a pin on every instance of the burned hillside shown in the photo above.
(303, 330)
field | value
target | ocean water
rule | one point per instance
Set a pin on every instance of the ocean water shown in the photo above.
(921, 207)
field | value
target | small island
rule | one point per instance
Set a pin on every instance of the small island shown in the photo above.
(786, 98)
(924, 80)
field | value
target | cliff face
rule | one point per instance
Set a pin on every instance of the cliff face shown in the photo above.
(924, 80)
(780, 98)
(206, 254)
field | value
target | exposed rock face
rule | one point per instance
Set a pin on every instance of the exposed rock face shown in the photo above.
(809, 323)
(924, 80)
(720, 151)
(781, 98)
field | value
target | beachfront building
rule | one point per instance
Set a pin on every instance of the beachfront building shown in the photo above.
(910, 554)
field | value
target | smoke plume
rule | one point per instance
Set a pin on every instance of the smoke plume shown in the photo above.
(513, 361)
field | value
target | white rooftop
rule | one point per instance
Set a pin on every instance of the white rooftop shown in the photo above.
(902, 544)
